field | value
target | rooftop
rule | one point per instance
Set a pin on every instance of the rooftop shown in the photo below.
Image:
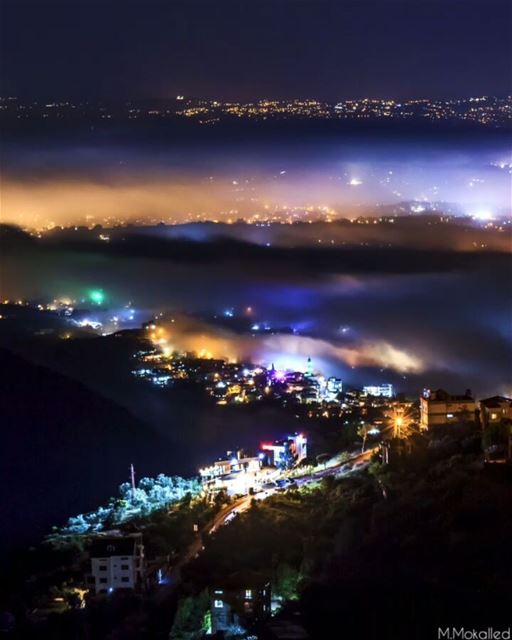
(115, 546)
(496, 401)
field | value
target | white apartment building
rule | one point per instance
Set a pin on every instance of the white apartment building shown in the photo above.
(383, 390)
(117, 563)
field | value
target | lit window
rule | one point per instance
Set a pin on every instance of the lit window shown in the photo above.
(494, 416)
(218, 604)
(248, 593)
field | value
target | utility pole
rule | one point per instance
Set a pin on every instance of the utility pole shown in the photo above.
(132, 474)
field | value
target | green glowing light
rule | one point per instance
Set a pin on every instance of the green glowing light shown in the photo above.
(97, 296)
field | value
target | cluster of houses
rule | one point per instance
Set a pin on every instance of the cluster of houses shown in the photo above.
(439, 408)
(118, 564)
(118, 561)
(240, 474)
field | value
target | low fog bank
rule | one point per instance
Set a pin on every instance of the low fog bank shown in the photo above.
(416, 318)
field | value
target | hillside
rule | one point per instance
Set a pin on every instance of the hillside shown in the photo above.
(67, 449)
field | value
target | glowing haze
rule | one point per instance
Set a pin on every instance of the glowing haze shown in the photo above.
(284, 351)
(48, 183)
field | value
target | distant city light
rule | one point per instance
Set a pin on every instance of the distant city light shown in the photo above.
(87, 322)
(97, 296)
(483, 215)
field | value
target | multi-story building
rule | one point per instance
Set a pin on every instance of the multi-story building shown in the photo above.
(334, 387)
(239, 603)
(237, 474)
(296, 445)
(494, 410)
(117, 563)
(439, 408)
(310, 394)
(384, 390)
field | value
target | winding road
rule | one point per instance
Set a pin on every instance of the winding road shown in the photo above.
(228, 513)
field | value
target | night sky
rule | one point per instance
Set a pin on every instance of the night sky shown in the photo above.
(327, 49)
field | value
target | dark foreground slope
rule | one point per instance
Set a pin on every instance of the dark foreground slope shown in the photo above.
(393, 552)
(65, 449)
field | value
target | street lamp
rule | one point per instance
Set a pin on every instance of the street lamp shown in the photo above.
(398, 426)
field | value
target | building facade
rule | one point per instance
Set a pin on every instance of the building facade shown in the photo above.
(235, 608)
(441, 408)
(236, 475)
(494, 410)
(296, 445)
(117, 563)
(383, 390)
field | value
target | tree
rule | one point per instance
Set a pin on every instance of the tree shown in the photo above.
(496, 435)
(190, 616)
(221, 498)
(286, 581)
(77, 524)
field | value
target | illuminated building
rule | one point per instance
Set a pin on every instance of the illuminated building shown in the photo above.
(333, 388)
(236, 474)
(239, 602)
(296, 445)
(439, 407)
(494, 410)
(309, 395)
(117, 563)
(384, 390)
